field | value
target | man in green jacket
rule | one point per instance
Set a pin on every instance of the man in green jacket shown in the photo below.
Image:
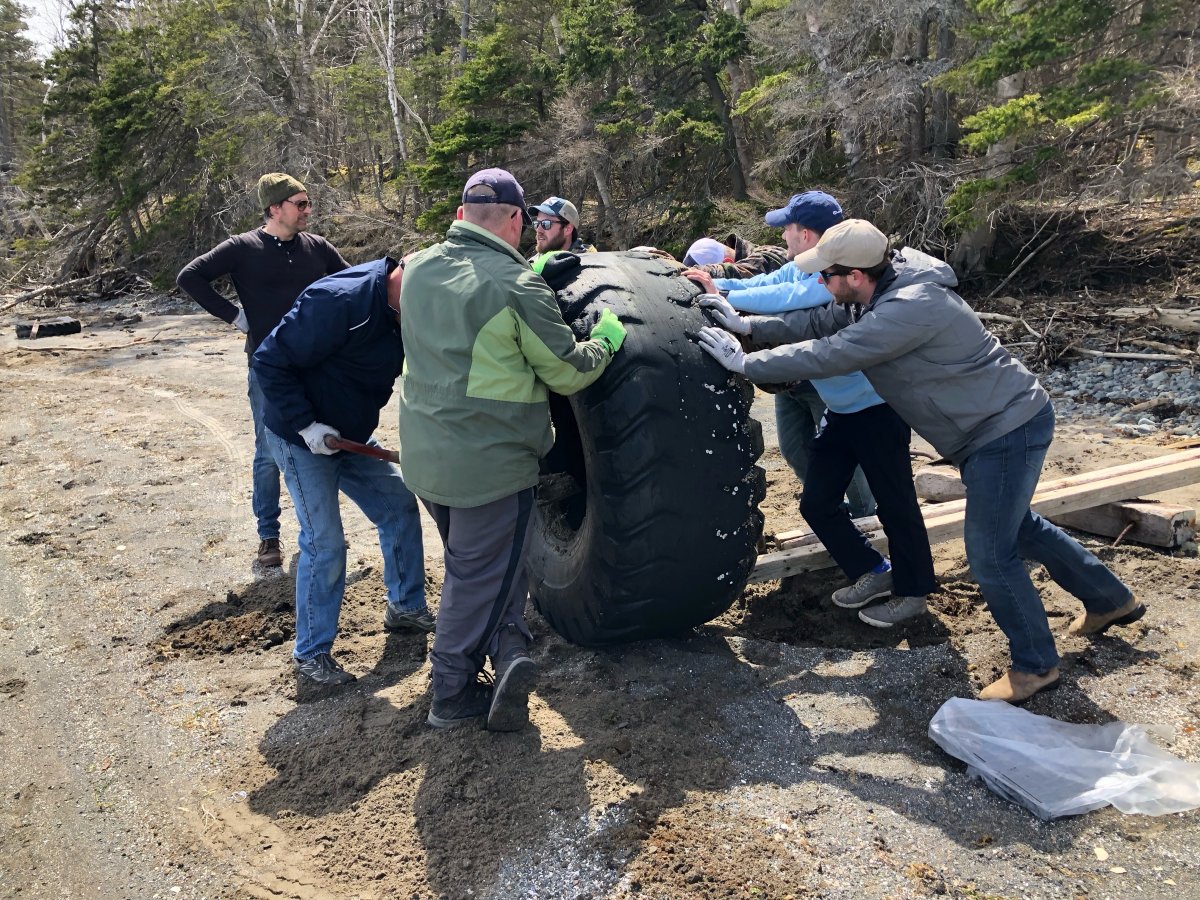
(484, 345)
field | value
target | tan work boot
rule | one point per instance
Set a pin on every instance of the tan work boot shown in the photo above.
(1017, 687)
(1097, 623)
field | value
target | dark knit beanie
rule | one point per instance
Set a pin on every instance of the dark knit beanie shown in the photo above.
(275, 187)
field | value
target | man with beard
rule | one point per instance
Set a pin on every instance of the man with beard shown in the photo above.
(897, 319)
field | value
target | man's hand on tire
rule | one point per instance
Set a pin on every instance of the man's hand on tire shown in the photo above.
(724, 348)
(727, 317)
(314, 436)
(702, 278)
(609, 331)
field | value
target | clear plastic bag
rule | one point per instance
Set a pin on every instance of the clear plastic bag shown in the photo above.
(1057, 769)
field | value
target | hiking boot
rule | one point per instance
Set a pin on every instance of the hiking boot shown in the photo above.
(464, 708)
(870, 586)
(893, 611)
(1098, 623)
(1017, 687)
(417, 620)
(321, 671)
(510, 700)
(270, 556)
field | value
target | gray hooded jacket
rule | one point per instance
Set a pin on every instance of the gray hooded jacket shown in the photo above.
(922, 348)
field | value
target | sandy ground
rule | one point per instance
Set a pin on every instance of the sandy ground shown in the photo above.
(151, 746)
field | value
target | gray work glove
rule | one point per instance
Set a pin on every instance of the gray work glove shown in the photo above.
(727, 317)
(241, 323)
(724, 348)
(314, 435)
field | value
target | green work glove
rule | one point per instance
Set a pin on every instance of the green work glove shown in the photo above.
(609, 331)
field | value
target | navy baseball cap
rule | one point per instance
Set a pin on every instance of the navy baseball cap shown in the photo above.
(812, 209)
(495, 186)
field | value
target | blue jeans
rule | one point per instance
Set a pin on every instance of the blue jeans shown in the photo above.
(798, 414)
(265, 497)
(377, 488)
(1001, 531)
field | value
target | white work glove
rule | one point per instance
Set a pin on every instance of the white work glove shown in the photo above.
(727, 317)
(241, 323)
(724, 348)
(314, 435)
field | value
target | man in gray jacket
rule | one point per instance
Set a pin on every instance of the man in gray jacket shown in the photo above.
(929, 357)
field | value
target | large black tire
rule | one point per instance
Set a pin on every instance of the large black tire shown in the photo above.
(648, 523)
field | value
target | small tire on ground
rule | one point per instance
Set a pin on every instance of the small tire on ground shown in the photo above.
(659, 528)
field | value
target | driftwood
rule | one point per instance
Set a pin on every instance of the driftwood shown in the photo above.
(1113, 354)
(120, 278)
(1175, 319)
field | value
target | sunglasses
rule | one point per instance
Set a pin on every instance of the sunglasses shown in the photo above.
(547, 224)
(300, 204)
(834, 273)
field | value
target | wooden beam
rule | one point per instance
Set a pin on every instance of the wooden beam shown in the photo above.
(1061, 495)
(1146, 522)
(786, 539)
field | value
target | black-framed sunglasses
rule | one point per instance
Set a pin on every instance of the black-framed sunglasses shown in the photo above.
(299, 204)
(547, 224)
(834, 273)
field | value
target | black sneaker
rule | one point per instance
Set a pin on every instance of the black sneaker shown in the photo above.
(511, 646)
(515, 677)
(321, 671)
(418, 620)
(467, 706)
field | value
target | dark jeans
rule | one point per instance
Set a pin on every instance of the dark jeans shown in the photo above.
(1001, 531)
(875, 439)
(798, 413)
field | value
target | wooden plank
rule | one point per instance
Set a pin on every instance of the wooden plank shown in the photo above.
(785, 539)
(1146, 522)
(944, 521)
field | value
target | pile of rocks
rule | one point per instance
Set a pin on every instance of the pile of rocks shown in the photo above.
(1134, 396)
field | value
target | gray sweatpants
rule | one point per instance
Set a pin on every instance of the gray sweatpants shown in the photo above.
(485, 586)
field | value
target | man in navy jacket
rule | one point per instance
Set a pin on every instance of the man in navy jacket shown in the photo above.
(326, 371)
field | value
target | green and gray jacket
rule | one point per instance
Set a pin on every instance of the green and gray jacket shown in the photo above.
(484, 344)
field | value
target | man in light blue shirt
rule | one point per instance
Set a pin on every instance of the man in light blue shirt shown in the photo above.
(800, 408)
(858, 433)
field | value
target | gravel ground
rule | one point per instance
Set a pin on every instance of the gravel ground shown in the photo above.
(151, 745)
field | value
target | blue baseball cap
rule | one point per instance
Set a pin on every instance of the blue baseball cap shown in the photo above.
(812, 209)
(495, 186)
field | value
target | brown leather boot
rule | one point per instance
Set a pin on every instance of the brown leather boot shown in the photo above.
(270, 554)
(1017, 687)
(1098, 623)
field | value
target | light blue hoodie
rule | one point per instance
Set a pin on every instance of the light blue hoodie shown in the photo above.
(788, 288)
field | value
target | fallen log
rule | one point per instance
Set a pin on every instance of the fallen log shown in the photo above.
(1175, 319)
(943, 522)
